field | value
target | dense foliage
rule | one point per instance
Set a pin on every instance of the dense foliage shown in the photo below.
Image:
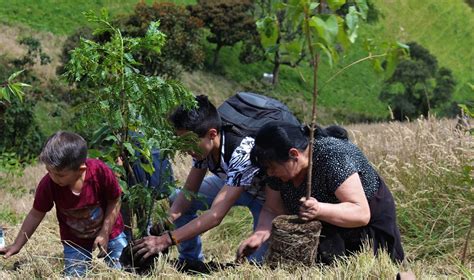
(182, 49)
(20, 129)
(229, 21)
(418, 85)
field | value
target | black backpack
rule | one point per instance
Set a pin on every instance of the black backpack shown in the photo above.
(245, 113)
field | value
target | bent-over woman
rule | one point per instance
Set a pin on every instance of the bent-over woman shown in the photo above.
(347, 195)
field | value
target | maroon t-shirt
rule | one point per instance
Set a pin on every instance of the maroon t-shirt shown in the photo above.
(81, 216)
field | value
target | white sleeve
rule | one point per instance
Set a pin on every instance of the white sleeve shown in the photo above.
(241, 171)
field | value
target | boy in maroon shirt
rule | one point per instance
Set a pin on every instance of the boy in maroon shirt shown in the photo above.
(87, 198)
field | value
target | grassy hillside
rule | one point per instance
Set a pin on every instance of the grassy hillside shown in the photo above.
(443, 27)
(57, 16)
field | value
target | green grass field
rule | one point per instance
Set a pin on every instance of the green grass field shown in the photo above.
(443, 27)
(60, 17)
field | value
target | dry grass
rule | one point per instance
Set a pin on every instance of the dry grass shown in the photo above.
(421, 162)
(421, 147)
(425, 165)
(50, 43)
(216, 87)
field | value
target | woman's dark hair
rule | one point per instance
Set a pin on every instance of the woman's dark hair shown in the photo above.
(275, 139)
(198, 120)
(64, 151)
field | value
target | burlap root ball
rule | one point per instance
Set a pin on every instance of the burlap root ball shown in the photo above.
(293, 242)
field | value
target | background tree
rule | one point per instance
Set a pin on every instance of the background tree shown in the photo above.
(20, 129)
(229, 21)
(283, 40)
(125, 102)
(417, 85)
(182, 50)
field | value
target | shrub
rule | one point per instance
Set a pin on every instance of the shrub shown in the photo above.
(182, 50)
(417, 85)
(229, 21)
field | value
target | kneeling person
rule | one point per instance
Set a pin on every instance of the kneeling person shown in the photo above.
(235, 181)
(87, 199)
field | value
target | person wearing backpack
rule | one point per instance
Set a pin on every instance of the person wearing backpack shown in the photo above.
(224, 150)
(226, 138)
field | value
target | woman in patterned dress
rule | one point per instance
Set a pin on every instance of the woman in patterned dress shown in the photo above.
(347, 195)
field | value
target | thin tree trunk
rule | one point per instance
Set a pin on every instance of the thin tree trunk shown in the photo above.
(277, 58)
(216, 55)
(315, 62)
(276, 69)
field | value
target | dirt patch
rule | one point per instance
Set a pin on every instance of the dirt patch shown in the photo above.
(181, 165)
(51, 44)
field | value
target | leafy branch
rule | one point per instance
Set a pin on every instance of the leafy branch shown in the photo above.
(129, 107)
(10, 89)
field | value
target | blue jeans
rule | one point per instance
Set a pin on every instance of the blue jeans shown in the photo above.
(192, 249)
(77, 259)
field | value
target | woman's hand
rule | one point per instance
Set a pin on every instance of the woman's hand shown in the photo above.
(309, 209)
(150, 245)
(248, 246)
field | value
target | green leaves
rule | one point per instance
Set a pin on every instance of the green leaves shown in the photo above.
(352, 23)
(130, 108)
(335, 4)
(10, 89)
(154, 39)
(268, 30)
(363, 8)
(326, 29)
(395, 52)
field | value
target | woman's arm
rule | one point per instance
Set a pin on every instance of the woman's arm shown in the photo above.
(272, 207)
(352, 211)
(224, 200)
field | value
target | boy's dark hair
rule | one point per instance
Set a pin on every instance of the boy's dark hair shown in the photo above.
(198, 120)
(64, 150)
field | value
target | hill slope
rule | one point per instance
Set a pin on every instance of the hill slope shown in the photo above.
(443, 27)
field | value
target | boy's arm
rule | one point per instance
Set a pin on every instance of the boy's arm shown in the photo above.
(31, 222)
(224, 200)
(111, 213)
(193, 183)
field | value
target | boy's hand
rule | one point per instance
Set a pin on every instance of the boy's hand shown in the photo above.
(101, 242)
(9, 251)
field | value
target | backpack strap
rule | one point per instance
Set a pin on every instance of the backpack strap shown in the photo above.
(232, 141)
